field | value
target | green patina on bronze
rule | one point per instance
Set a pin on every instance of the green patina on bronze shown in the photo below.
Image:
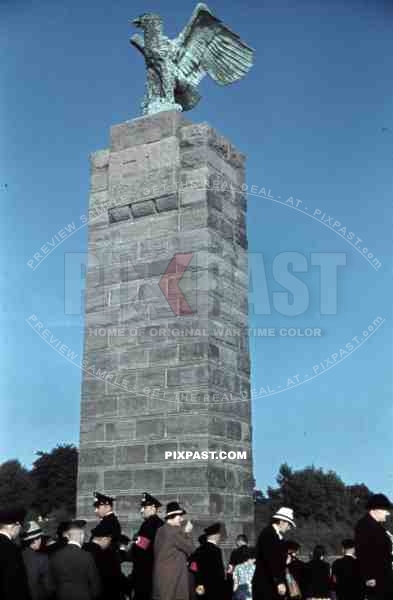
(176, 67)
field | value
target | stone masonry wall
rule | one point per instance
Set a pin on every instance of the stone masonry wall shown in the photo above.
(164, 187)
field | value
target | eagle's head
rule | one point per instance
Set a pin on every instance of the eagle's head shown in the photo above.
(146, 20)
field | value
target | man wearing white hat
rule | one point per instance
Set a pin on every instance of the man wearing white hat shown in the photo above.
(269, 578)
(36, 563)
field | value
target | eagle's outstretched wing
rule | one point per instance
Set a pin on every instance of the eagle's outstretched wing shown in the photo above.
(207, 46)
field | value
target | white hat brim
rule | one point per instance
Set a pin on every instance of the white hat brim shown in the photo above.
(284, 518)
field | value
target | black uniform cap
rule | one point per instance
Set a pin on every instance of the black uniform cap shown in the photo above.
(148, 500)
(100, 499)
(15, 516)
(213, 529)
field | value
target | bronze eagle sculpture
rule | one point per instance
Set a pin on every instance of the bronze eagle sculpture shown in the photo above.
(176, 67)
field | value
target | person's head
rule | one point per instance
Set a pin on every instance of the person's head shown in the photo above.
(174, 514)
(318, 552)
(251, 554)
(241, 540)
(102, 534)
(379, 507)
(149, 505)
(74, 531)
(103, 505)
(348, 546)
(283, 519)
(103, 541)
(11, 521)
(292, 548)
(213, 533)
(32, 536)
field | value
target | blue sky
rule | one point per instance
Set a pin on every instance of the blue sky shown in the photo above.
(315, 117)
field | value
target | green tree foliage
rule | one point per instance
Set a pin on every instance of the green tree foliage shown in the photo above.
(54, 476)
(16, 488)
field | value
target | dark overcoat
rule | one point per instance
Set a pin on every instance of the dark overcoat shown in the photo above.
(74, 574)
(37, 569)
(171, 578)
(13, 577)
(114, 526)
(374, 553)
(270, 565)
(210, 571)
(318, 579)
(142, 556)
(347, 581)
(112, 579)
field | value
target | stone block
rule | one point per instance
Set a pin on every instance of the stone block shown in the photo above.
(145, 130)
(88, 481)
(217, 478)
(129, 455)
(92, 431)
(184, 477)
(132, 404)
(234, 430)
(167, 202)
(119, 479)
(195, 424)
(95, 408)
(150, 428)
(156, 452)
(149, 479)
(187, 375)
(142, 209)
(120, 430)
(97, 457)
(121, 213)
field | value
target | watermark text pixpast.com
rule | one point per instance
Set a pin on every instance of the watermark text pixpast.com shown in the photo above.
(206, 454)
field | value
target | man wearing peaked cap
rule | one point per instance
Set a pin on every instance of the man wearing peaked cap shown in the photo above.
(142, 549)
(374, 548)
(209, 571)
(104, 510)
(73, 570)
(36, 563)
(270, 567)
(13, 577)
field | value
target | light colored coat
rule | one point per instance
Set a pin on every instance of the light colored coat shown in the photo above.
(171, 577)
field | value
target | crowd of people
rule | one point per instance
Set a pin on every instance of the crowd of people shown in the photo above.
(166, 565)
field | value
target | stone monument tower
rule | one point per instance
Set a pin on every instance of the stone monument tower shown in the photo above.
(166, 381)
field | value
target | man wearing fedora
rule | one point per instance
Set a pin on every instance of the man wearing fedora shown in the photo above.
(269, 578)
(36, 563)
(209, 570)
(73, 570)
(374, 549)
(142, 552)
(13, 578)
(172, 548)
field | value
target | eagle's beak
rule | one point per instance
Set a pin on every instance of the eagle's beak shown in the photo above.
(137, 22)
